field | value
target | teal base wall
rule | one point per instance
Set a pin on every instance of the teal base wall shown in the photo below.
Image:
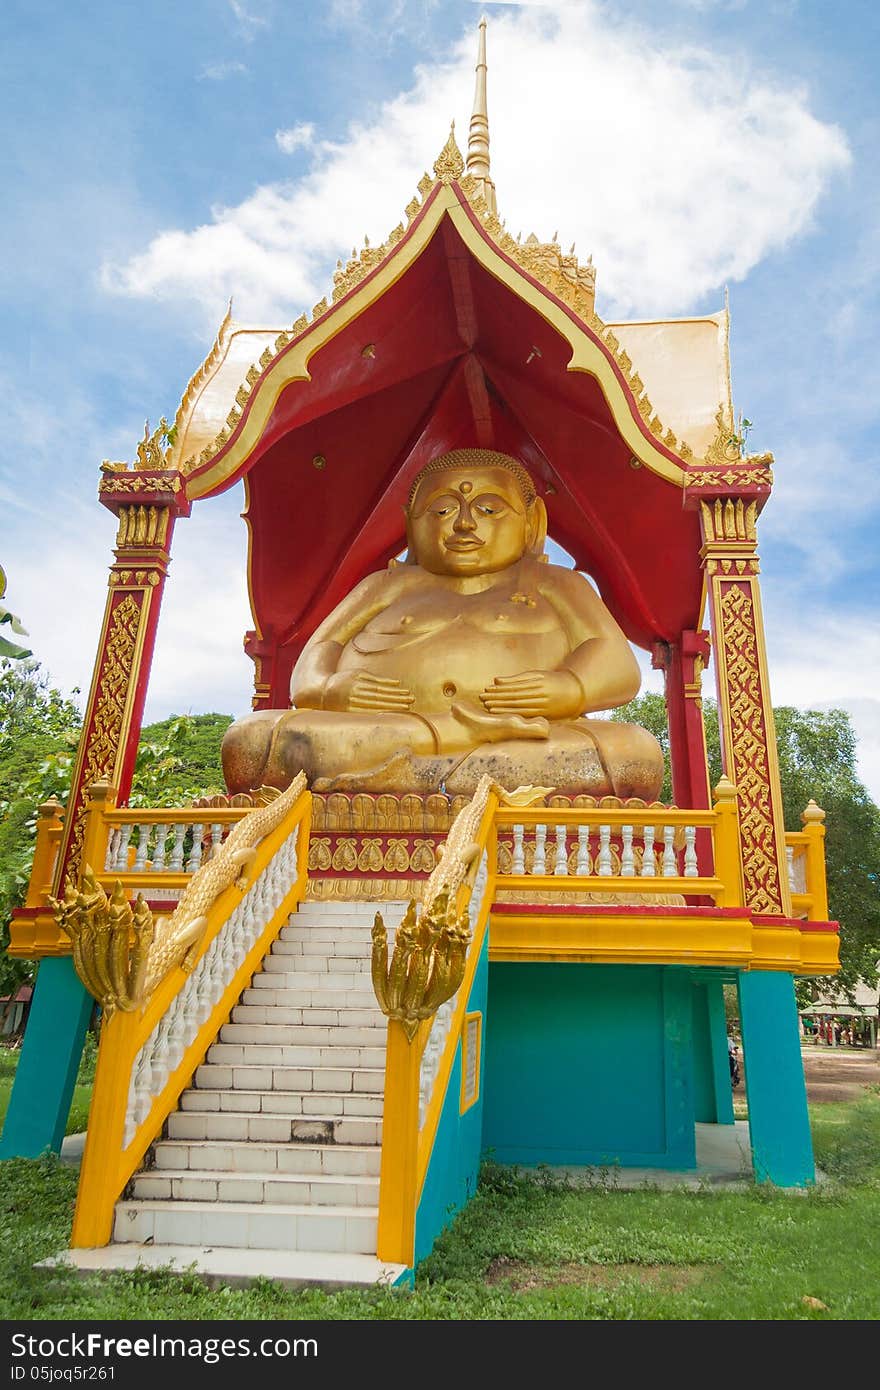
(713, 1094)
(453, 1170)
(590, 1065)
(50, 1054)
(779, 1124)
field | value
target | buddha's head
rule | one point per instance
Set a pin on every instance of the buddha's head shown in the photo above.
(473, 511)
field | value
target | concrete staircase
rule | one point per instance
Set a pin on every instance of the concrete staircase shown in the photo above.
(270, 1165)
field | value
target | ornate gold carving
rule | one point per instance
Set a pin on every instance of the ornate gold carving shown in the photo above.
(370, 860)
(423, 859)
(152, 451)
(345, 857)
(759, 476)
(427, 965)
(750, 769)
(137, 483)
(372, 890)
(320, 855)
(110, 941)
(729, 519)
(142, 526)
(397, 859)
(104, 737)
(99, 928)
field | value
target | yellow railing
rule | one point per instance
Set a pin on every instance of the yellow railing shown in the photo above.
(414, 1092)
(642, 851)
(146, 1059)
(805, 852)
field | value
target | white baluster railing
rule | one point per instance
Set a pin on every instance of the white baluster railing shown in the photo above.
(164, 1049)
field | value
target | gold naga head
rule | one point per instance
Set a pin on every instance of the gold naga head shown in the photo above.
(473, 511)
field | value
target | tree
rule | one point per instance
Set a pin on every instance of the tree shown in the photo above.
(178, 759)
(39, 732)
(817, 760)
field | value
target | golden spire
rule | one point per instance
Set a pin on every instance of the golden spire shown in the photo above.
(478, 139)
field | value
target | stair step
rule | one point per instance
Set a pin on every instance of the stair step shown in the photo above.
(303, 950)
(346, 912)
(359, 1014)
(278, 974)
(359, 1122)
(283, 1189)
(300, 1051)
(301, 1081)
(248, 1029)
(343, 937)
(218, 1265)
(269, 990)
(311, 972)
(239, 1225)
(294, 1054)
(219, 1156)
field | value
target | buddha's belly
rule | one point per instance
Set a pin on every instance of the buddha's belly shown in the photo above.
(448, 666)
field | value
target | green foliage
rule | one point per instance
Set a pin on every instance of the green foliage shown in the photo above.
(39, 732)
(817, 760)
(10, 650)
(178, 759)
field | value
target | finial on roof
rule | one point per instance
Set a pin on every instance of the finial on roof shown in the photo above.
(449, 164)
(478, 139)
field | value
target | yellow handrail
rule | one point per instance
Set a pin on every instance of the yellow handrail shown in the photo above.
(109, 1158)
(809, 845)
(406, 1146)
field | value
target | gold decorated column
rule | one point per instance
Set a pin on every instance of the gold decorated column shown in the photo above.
(146, 503)
(748, 738)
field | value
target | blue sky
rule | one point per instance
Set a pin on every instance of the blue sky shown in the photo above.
(160, 157)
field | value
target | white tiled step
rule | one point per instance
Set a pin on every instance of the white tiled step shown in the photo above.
(354, 969)
(277, 973)
(257, 1010)
(276, 1126)
(303, 950)
(215, 1265)
(293, 1054)
(284, 1189)
(295, 1048)
(332, 936)
(243, 1225)
(345, 912)
(214, 1156)
(299, 1080)
(269, 990)
(263, 1030)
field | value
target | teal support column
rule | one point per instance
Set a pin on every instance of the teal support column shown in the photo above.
(779, 1125)
(713, 1095)
(50, 1056)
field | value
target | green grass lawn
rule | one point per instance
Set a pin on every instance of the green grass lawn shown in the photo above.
(530, 1248)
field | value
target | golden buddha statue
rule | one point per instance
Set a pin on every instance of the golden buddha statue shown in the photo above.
(473, 655)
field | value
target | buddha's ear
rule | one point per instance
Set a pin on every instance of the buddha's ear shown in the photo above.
(536, 533)
(410, 557)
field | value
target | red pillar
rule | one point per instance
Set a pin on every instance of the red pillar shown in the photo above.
(748, 737)
(147, 505)
(682, 664)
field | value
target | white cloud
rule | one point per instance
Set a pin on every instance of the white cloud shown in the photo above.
(298, 137)
(218, 72)
(678, 168)
(247, 21)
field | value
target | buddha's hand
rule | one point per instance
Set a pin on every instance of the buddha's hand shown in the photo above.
(553, 694)
(360, 690)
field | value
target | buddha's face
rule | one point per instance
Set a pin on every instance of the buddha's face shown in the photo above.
(467, 521)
